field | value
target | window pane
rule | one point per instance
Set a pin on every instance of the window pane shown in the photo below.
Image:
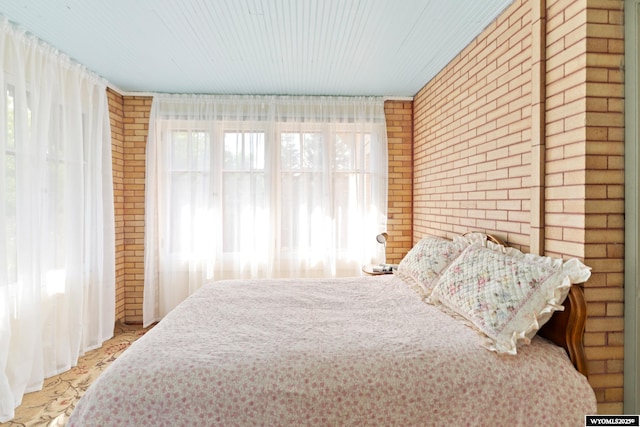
(353, 151)
(243, 188)
(290, 151)
(179, 150)
(190, 150)
(302, 151)
(244, 209)
(352, 192)
(345, 152)
(244, 150)
(199, 151)
(189, 192)
(301, 206)
(313, 151)
(188, 202)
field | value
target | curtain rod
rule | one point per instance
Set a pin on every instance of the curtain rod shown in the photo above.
(134, 93)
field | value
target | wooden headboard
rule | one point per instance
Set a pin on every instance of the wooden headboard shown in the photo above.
(566, 328)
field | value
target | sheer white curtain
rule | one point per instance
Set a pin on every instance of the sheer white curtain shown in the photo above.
(57, 254)
(256, 187)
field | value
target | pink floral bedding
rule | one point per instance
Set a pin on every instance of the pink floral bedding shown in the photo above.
(361, 351)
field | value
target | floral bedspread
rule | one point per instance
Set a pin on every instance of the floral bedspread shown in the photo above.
(360, 351)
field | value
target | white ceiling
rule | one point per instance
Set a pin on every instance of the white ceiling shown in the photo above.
(286, 47)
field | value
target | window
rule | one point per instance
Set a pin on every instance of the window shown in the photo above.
(313, 166)
(260, 187)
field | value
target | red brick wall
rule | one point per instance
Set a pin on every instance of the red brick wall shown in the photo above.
(476, 145)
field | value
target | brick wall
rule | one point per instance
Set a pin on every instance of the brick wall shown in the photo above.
(539, 83)
(135, 126)
(117, 160)
(472, 132)
(603, 178)
(399, 116)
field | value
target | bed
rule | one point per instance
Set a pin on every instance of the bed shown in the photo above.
(371, 350)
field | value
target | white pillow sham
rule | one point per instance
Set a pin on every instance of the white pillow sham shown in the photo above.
(505, 294)
(421, 267)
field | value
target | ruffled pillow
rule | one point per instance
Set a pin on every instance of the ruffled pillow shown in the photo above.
(505, 294)
(424, 262)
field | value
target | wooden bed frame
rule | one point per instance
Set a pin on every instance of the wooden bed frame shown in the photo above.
(566, 328)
